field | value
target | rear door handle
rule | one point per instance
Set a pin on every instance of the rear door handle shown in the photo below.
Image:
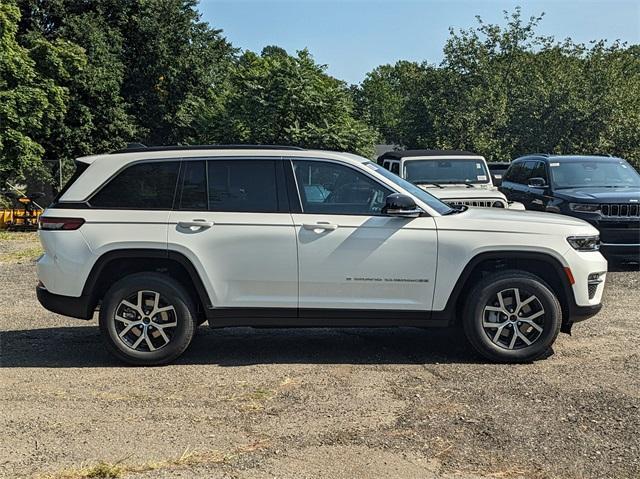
(202, 224)
(321, 225)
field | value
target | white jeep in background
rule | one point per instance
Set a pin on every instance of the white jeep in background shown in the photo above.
(456, 177)
(162, 239)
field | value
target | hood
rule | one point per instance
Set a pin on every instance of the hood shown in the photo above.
(462, 192)
(600, 194)
(513, 221)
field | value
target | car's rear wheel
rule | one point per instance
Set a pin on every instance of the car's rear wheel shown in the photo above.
(512, 316)
(147, 319)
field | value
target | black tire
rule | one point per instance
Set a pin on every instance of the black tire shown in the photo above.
(484, 294)
(183, 314)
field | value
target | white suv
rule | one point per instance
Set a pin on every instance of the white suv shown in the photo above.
(455, 177)
(162, 239)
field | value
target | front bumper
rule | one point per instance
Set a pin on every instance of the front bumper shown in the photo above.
(79, 307)
(626, 251)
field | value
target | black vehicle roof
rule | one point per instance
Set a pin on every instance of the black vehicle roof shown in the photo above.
(397, 155)
(566, 158)
(140, 148)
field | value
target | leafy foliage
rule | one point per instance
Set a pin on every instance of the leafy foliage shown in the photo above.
(504, 91)
(85, 77)
(276, 98)
(32, 100)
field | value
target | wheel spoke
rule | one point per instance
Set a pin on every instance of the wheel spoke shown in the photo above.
(165, 325)
(123, 320)
(526, 301)
(523, 337)
(516, 293)
(513, 338)
(127, 329)
(533, 316)
(163, 334)
(488, 324)
(156, 301)
(501, 301)
(131, 306)
(498, 333)
(162, 310)
(149, 343)
(138, 341)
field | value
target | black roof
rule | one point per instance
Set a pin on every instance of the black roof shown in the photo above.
(548, 157)
(139, 148)
(396, 155)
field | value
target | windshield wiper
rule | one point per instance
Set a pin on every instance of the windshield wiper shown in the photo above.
(428, 183)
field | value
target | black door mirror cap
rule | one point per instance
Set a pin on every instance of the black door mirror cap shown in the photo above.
(397, 204)
(537, 183)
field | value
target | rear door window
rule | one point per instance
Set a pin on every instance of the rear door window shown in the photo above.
(142, 186)
(242, 186)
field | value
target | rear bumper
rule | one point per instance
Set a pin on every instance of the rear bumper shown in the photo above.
(79, 307)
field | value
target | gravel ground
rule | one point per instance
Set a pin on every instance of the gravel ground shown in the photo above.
(326, 403)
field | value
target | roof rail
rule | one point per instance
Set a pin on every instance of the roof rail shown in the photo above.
(139, 147)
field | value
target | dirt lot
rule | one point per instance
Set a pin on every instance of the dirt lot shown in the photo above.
(314, 403)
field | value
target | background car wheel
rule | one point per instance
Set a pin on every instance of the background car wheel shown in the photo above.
(512, 316)
(147, 319)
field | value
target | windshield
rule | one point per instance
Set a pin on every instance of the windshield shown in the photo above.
(432, 201)
(446, 171)
(593, 173)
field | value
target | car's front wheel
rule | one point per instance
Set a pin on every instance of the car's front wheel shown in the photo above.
(147, 319)
(512, 316)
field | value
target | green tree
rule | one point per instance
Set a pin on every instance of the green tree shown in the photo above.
(276, 98)
(174, 65)
(32, 99)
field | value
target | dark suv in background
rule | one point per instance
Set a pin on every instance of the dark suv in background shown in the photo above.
(605, 191)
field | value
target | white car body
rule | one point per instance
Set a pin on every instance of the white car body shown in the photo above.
(301, 265)
(480, 193)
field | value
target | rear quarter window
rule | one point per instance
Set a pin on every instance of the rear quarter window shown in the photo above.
(148, 186)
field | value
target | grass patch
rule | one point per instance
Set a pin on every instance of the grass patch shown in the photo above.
(29, 253)
(116, 470)
(18, 236)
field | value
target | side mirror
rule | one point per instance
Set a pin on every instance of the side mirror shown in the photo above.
(537, 183)
(400, 205)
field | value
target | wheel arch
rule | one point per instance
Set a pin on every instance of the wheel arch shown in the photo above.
(543, 265)
(117, 263)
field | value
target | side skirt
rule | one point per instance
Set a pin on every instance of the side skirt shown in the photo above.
(321, 318)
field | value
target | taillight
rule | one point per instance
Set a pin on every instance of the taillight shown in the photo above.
(49, 223)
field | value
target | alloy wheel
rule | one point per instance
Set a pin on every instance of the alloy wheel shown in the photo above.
(513, 319)
(145, 321)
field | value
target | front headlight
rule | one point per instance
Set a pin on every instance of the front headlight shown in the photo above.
(584, 243)
(584, 207)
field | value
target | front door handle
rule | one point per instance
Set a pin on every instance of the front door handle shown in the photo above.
(321, 225)
(201, 224)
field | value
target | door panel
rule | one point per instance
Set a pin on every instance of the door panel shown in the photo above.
(350, 256)
(232, 221)
(366, 262)
(245, 259)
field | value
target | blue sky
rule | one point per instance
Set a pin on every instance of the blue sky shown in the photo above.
(354, 36)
